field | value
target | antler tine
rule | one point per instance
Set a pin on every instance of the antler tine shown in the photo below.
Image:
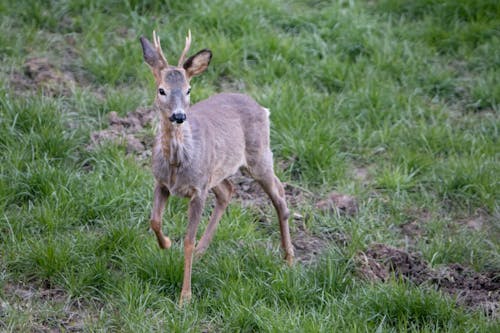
(156, 41)
(186, 49)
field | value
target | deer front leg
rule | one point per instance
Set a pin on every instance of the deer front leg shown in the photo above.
(194, 215)
(161, 195)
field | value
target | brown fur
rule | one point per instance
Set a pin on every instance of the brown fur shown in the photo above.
(221, 134)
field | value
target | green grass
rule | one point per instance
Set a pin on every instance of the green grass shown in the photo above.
(407, 90)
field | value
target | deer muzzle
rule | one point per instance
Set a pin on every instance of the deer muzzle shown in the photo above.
(177, 117)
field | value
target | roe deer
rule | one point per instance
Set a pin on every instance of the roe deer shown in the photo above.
(198, 147)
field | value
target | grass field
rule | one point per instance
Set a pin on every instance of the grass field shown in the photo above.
(393, 102)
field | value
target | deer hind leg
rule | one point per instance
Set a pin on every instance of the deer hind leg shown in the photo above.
(274, 189)
(223, 193)
(161, 195)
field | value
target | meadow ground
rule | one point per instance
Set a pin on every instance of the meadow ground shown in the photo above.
(385, 118)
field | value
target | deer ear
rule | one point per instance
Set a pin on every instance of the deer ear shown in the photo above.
(150, 54)
(197, 63)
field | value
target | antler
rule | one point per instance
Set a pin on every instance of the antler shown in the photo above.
(186, 49)
(156, 41)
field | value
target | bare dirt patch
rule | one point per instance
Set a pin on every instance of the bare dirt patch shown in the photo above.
(339, 203)
(40, 73)
(309, 246)
(475, 290)
(129, 130)
(414, 229)
(48, 309)
(381, 261)
(362, 175)
(249, 192)
(479, 221)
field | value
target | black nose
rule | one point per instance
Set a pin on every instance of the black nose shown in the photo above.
(178, 118)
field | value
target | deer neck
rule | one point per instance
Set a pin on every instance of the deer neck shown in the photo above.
(175, 141)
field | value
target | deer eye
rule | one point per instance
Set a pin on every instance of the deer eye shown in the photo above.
(188, 92)
(162, 91)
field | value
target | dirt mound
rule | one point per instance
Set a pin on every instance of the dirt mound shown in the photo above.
(128, 130)
(40, 73)
(380, 262)
(477, 290)
(472, 289)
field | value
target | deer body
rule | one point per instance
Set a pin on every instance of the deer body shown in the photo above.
(198, 147)
(202, 152)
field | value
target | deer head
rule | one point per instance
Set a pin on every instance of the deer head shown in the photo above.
(172, 82)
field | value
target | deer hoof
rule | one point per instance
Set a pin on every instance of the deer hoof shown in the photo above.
(164, 242)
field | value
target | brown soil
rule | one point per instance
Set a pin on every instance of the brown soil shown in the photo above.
(339, 203)
(362, 175)
(40, 73)
(414, 229)
(472, 289)
(309, 246)
(128, 130)
(249, 192)
(477, 222)
(70, 316)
